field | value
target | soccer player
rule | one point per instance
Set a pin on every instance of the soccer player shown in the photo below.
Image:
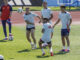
(47, 13)
(29, 19)
(1, 57)
(66, 19)
(46, 37)
(5, 14)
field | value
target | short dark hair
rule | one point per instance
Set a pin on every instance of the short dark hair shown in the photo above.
(63, 6)
(27, 7)
(45, 19)
(45, 2)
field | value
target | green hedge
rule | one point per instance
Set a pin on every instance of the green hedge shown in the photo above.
(52, 8)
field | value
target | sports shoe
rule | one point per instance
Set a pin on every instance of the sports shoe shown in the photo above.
(6, 38)
(51, 53)
(66, 50)
(63, 50)
(32, 46)
(35, 47)
(43, 54)
(10, 37)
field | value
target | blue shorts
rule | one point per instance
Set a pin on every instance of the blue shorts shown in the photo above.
(44, 42)
(65, 32)
(29, 29)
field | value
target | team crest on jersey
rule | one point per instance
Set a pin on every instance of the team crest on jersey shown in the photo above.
(49, 27)
(8, 7)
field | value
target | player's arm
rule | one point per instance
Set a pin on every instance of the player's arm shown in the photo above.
(51, 17)
(29, 22)
(35, 15)
(39, 18)
(11, 10)
(0, 11)
(10, 14)
(43, 30)
(68, 26)
(56, 23)
(70, 19)
(70, 22)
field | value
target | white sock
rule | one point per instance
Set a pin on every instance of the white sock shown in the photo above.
(68, 48)
(6, 37)
(51, 50)
(31, 43)
(9, 33)
(35, 45)
(64, 47)
(42, 50)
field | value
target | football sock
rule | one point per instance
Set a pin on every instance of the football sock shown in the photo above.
(64, 47)
(35, 45)
(68, 48)
(31, 43)
(51, 50)
(10, 34)
(42, 50)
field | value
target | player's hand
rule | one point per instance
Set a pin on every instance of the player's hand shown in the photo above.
(43, 30)
(39, 21)
(53, 26)
(33, 24)
(68, 27)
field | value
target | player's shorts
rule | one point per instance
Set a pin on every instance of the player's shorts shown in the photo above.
(45, 42)
(29, 29)
(65, 32)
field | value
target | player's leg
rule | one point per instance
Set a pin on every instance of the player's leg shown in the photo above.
(4, 29)
(68, 43)
(28, 38)
(40, 45)
(63, 43)
(51, 34)
(50, 47)
(33, 37)
(9, 23)
(63, 40)
(10, 27)
(52, 30)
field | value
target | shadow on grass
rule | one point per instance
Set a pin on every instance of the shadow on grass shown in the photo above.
(40, 48)
(11, 58)
(3, 41)
(60, 53)
(25, 50)
(43, 56)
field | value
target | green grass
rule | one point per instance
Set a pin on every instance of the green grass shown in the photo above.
(52, 8)
(19, 48)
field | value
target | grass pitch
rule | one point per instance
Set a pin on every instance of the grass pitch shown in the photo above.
(19, 48)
